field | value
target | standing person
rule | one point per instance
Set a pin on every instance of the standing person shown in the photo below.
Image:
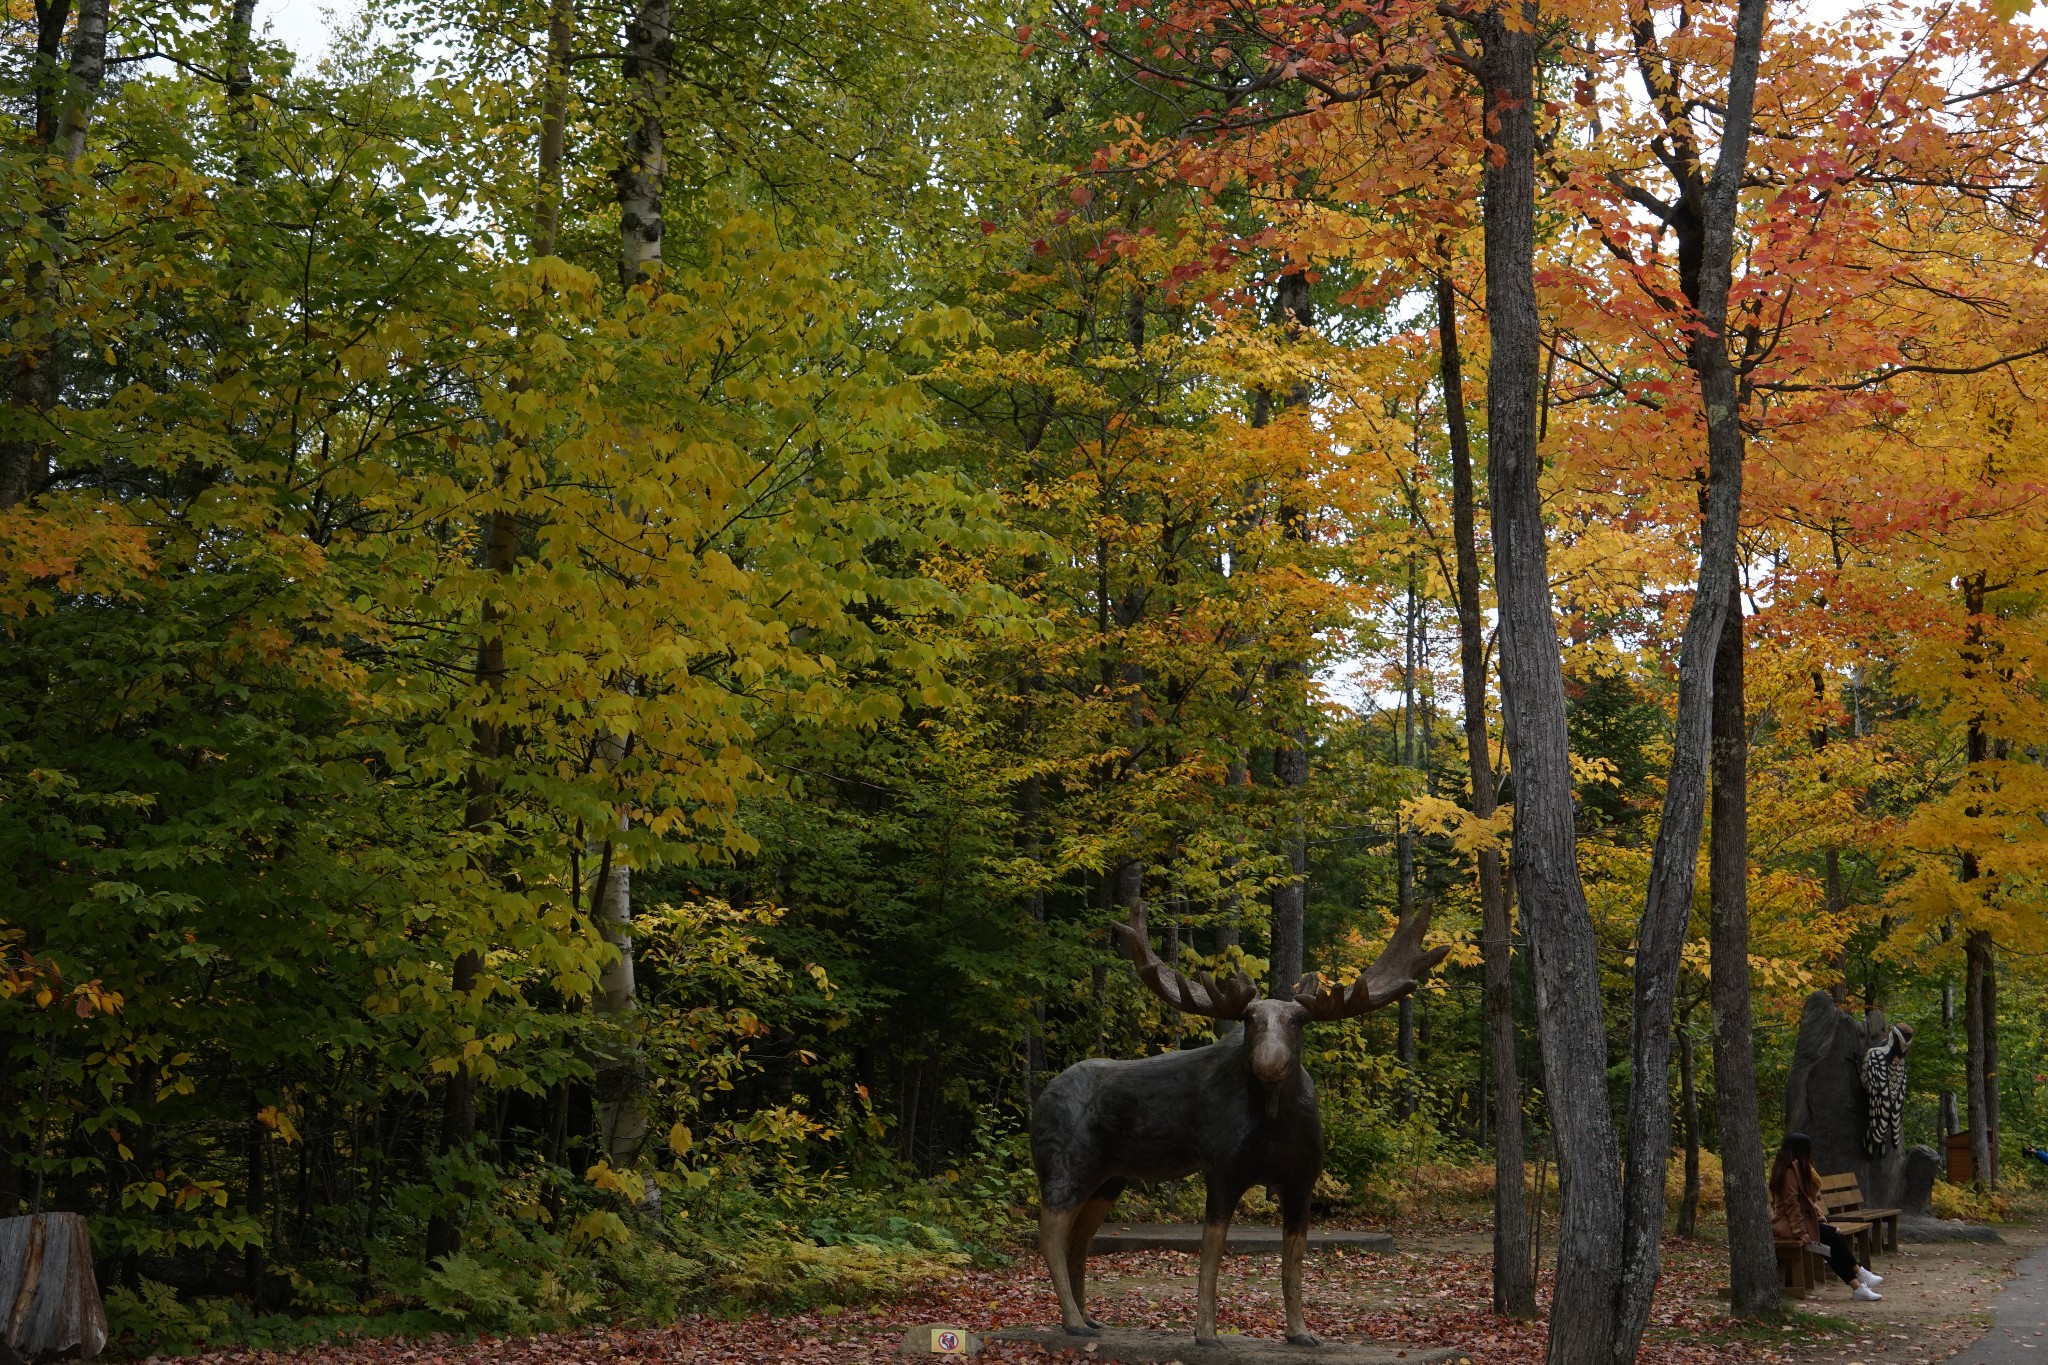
(1796, 1217)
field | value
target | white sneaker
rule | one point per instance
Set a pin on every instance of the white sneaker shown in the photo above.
(1863, 1293)
(1865, 1275)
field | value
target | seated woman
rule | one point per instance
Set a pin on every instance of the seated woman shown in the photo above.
(1796, 1216)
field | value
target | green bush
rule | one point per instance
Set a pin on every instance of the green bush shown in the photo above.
(151, 1320)
(1357, 1147)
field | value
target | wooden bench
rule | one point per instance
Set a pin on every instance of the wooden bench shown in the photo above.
(1842, 1197)
(1797, 1269)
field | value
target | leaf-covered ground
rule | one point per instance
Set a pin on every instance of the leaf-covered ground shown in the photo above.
(1429, 1296)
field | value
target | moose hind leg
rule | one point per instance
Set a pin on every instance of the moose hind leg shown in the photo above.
(1080, 1236)
(1055, 1231)
(1293, 1250)
(1087, 1218)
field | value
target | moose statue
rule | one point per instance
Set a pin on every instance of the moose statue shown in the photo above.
(1241, 1111)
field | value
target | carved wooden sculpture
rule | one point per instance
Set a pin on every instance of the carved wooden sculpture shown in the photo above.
(1241, 1111)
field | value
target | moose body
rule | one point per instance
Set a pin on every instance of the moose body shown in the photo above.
(1241, 1112)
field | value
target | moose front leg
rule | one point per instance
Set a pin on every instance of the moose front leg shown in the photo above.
(1222, 1203)
(1055, 1234)
(1293, 1250)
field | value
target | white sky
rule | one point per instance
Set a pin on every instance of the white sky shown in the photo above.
(303, 25)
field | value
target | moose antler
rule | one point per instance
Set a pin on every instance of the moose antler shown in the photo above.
(1399, 968)
(1202, 995)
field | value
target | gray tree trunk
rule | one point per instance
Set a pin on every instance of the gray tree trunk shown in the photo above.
(1976, 1023)
(501, 553)
(1689, 1113)
(1674, 860)
(1991, 1060)
(1404, 846)
(1514, 1288)
(1752, 1264)
(1563, 946)
(458, 1110)
(1293, 312)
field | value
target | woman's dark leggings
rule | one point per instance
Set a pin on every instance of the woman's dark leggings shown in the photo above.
(1841, 1256)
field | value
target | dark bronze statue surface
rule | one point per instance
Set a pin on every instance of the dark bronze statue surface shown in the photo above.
(1241, 1112)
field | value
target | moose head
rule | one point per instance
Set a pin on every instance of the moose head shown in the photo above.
(1242, 1111)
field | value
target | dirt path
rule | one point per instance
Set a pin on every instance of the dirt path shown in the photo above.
(1938, 1299)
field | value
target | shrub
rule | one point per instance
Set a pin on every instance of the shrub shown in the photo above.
(1969, 1205)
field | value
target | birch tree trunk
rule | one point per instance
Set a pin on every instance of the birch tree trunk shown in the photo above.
(643, 178)
(621, 1079)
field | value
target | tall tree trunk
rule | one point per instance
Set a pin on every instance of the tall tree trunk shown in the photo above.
(10, 1158)
(1514, 1289)
(501, 553)
(554, 119)
(1976, 1023)
(240, 87)
(1293, 313)
(458, 1108)
(1030, 802)
(1563, 946)
(1689, 1117)
(64, 117)
(1404, 845)
(620, 1081)
(1979, 1008)
(1947, 1118)
(255, 1203)
(1674, 860)
(1752, 1265)
(1990, 990)
(1831, 879)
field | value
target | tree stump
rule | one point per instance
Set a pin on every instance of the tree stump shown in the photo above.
(47, 1289)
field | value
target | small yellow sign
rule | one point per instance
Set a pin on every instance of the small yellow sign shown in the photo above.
(948, 1341)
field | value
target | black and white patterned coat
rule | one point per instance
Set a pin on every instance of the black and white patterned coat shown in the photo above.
(1884, 1085)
